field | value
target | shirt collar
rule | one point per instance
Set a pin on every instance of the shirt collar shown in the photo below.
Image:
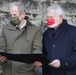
(22, 25)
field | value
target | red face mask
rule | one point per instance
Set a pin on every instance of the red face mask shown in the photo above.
(50, 21)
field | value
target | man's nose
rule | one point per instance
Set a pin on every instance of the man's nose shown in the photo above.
(12, 15)
(48, 18)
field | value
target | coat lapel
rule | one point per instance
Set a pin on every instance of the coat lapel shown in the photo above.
(19, 33)
(49, 34)
(61, 30)
(24, 29)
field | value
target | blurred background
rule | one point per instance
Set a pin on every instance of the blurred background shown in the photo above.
(36, 11)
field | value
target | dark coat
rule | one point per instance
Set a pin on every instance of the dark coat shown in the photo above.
(61, 46)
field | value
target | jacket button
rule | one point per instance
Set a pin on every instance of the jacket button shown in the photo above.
(66, 64)
(53, 45)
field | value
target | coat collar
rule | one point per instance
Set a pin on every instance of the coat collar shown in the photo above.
(12, 27)
(61, 28)
(28, 25)
(59, 31)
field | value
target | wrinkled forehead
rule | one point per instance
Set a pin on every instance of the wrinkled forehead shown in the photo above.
(14, 11)
(51, 13)
(14, 8)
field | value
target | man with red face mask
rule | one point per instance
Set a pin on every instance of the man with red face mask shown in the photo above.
(59, 44)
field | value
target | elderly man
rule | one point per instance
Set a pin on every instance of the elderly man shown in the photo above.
(21, 36)
(59, 44)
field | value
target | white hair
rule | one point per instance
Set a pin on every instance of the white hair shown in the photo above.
(57, 8)
(20, 6)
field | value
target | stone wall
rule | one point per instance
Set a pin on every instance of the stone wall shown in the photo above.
(35, 9)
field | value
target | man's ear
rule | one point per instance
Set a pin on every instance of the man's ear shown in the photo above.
(61, 17)
(24, 14)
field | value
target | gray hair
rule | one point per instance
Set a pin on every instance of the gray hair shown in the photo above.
(19, 5)
(59, 10)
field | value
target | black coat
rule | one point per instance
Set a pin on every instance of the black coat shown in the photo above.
(61, 46)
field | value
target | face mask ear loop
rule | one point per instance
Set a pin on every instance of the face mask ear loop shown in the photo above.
(20, 15)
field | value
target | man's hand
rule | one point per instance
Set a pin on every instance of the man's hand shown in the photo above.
(3, 58)
(55, 63)
(37, 63)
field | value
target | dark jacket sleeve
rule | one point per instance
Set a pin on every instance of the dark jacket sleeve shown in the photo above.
(44, 66)
(43, 47)
(70, 61)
